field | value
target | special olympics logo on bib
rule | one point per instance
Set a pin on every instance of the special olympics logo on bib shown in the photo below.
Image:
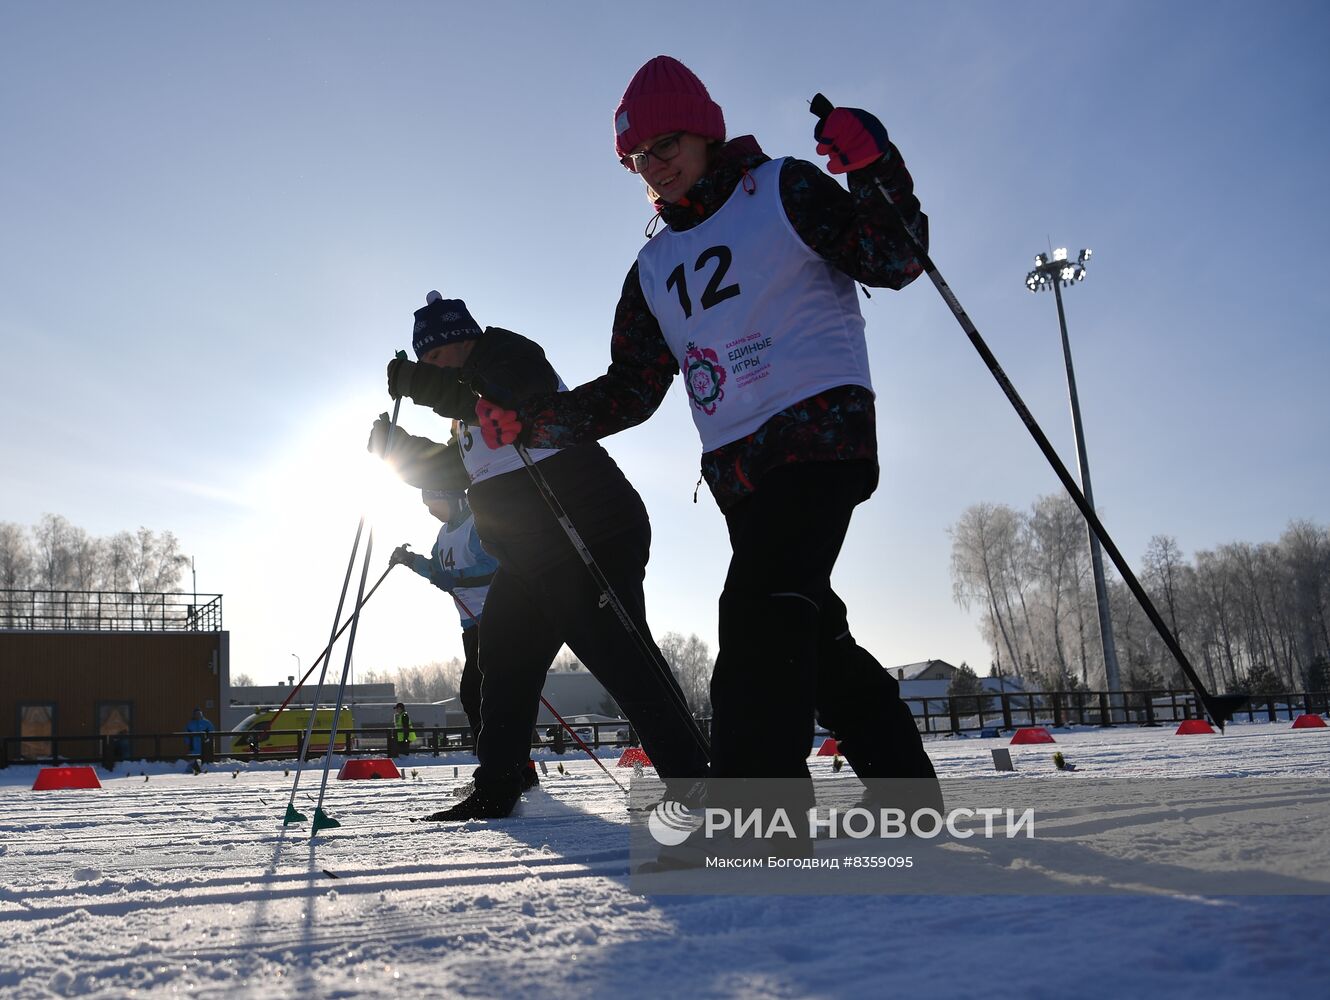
(705, 376)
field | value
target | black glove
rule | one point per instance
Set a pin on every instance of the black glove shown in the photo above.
(401, 372)
(428, 385)
(378, 436)
(401, 555)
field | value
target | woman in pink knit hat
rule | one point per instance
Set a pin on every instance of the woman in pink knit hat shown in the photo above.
(749, 290)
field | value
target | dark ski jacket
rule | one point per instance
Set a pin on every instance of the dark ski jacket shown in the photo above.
(513, 520)
(854, 230)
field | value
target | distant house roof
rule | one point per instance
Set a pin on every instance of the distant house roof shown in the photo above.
(926, 670)
(935, 691)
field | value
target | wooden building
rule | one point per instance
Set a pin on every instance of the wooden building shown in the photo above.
(127, 670)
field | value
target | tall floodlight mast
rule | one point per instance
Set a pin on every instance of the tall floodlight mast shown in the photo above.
(1054, 271)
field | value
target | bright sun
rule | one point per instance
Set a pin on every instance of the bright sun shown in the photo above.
(325, 480)
(308, 498)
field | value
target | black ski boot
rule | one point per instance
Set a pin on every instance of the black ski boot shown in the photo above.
(480, 804)
(495, 797)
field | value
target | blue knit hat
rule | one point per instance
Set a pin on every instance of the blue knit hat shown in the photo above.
(442, 321)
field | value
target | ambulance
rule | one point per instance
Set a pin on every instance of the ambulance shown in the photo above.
(255, 733)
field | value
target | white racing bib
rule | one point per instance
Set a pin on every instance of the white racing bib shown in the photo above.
(755, 318)
(453, 549)
(482, 461)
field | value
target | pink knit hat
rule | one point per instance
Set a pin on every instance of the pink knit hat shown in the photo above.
(665, 96)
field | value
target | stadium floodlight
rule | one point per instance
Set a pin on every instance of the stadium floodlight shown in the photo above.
(1054, 272)
(1052, 269)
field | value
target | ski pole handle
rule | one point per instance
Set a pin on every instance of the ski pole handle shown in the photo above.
(397, 406)
(821, 107)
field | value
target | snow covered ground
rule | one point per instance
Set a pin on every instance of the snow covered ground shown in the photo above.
(167, 883)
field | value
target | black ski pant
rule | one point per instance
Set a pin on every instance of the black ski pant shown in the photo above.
(468, 688)
(528, 617)
(786, 653)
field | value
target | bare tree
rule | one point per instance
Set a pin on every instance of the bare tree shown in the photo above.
(691, 662)
(119, 554)
(979, 541)
(156, 562)
(1250, 615)
(53, 558)
(86, 559)
(1171, 582)
(15, 557)
(1305, 549)
(436, 681)
(1057, 532)
(15, 568)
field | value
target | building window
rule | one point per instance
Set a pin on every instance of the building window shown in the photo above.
(114, 719)
(36, 726)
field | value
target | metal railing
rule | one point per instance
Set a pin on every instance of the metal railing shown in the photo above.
(951, 714)
(109, 611)
(110, 750)
(945, 715)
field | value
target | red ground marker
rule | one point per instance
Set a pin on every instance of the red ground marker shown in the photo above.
(49, 778)
(635, 755)
(1031, 734)
(1194, 727)
(369, 767)
(1308, 722)
(829, 748)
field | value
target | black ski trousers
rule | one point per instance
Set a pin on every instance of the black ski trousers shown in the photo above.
(786, 653)
(468, 689)
(528, 617)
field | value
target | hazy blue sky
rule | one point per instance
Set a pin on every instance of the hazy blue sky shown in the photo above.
(216, 220)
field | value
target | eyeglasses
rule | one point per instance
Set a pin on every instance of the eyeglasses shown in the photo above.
(665, 150)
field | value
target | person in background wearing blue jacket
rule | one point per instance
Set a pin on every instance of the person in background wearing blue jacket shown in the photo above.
(459, 565)
(197, 724)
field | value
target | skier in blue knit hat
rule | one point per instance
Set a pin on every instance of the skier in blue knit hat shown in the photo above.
(542, 596)
(459, 565)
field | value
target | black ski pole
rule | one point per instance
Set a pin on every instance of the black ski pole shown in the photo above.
(608, 597)
(321, 819)
(293, 815)
(1220, 708)
(577, 739)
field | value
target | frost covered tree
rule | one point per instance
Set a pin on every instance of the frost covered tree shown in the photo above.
(982, 542)
(691, 662)
(435, 681)
(15, 557)
(1245, 613)
(57, 555)
(52, 538)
